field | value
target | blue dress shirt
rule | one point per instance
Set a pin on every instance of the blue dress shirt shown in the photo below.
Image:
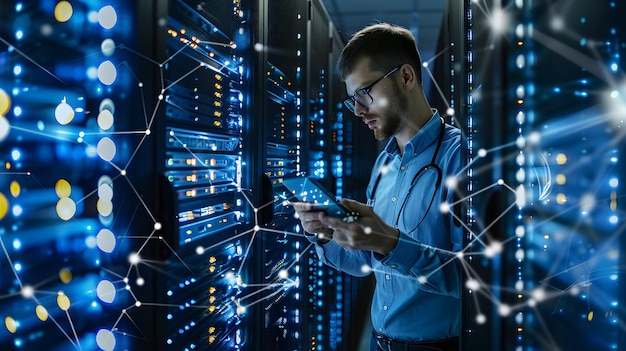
(418, 284)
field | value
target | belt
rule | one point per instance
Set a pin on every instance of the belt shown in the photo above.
(388, 344)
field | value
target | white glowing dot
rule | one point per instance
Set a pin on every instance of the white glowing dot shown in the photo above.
(257, 228)
(520, 142)
(519, 254)
(500, 182)
(28, 291)
(444, 207)
(587, 202)
(105, 191)
(230, 276)
(106, 291)
(496, 246)
(106, 240)
(140, 281)
(107, 17)
(107, 47)
(64, 113)
(157, 226)
(534, 137)
(531, 303)
(105, 340)
(450, 111)
(106, 149)
(613, 219)
(107, 73)
(123, 172)
(138, 304)
(452, 182)
(148, 132)
(519, 285)
(104, 207)
(539, 294)
(283, 274)
(520, 231)
(556, 23)
(66, 208)
(520, 175)
(105, 119)
(481, 319)
(422, 279)
(134, 258)
(482, 152)
(366, 269)
(367, 230)
(498, 20)
(425, 64)
(140, 84)
(472, 284)
(504, 310)
(200, 250)
(614, 94)
(520, 196)
(460, 255)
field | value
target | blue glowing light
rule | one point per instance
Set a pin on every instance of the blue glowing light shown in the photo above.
(17, 111)
(17, 266)
(17, 70)
(16, 154)
(17, 244)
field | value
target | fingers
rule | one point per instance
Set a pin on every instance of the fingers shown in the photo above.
(356, 206)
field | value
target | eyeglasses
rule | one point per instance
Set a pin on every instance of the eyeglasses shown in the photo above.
(362, 96)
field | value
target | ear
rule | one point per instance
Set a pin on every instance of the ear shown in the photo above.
(409, 78)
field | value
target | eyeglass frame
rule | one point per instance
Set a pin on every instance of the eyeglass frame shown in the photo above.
(351, 101)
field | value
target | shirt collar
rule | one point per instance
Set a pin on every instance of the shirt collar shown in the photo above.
(421, 140)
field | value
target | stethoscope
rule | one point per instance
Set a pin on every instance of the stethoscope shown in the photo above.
(431, 165)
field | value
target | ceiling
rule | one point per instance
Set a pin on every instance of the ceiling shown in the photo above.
(422, 17)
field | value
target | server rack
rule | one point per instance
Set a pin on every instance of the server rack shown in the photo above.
(183, 118)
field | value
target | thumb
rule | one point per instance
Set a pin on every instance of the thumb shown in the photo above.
(356, 206)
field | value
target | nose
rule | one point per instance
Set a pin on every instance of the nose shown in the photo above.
(359, 109)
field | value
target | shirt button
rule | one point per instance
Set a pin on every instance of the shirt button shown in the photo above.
(394, 266)
(393, 199)
(403, 168)
(387, 276)
(385, 308)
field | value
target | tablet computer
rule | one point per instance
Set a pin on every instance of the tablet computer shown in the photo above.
(308, 189)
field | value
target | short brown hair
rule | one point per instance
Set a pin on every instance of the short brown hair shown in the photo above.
(385, 45)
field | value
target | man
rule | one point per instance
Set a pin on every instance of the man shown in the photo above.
(406, 235)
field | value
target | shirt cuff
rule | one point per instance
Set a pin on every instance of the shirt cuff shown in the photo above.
(403, 256)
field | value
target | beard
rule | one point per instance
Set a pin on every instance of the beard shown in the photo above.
(398, 107)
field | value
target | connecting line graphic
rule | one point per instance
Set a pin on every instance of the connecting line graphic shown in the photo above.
(282, 283)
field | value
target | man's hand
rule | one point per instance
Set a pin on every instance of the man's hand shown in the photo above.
(311, 222)
(369, 232)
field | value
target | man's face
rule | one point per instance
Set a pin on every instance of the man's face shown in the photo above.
(385, 115)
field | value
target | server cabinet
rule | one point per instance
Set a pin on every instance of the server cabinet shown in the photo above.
(71, 271)
(143, 144)
(550, 267)
(204, 106)
(305, 303)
